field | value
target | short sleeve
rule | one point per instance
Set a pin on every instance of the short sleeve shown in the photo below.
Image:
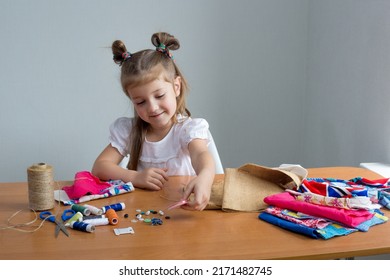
(195, 129)
(120, 133)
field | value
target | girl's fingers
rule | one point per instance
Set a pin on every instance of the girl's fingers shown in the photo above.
(163, 173)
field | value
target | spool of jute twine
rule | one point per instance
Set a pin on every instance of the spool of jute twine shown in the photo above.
(40, 187)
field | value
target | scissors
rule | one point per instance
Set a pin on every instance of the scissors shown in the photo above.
(67, 214)
(47, 215)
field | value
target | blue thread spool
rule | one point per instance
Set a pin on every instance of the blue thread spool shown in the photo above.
(79, 208)
(116, 207)
(81, 226)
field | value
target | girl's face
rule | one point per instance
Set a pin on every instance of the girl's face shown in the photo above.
(155, 102)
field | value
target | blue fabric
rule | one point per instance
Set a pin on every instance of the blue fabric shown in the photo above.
(289, 225)
(333, 230)
(376, 220)
(328, 232)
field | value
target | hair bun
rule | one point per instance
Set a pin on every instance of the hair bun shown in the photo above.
(118, 49)
(170, 42)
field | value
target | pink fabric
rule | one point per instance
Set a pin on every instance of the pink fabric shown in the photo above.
(85, 184)
(347, 217)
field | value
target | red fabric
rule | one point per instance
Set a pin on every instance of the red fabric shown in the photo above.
(85, 184)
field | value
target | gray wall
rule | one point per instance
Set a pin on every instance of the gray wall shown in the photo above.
(282, 81)
(348, 87)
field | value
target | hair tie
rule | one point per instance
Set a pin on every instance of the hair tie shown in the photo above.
(125, 56)
(163, 49)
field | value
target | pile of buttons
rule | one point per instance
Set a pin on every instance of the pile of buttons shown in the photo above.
(153, 221)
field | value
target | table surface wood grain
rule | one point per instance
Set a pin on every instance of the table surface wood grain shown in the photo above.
(187, 235)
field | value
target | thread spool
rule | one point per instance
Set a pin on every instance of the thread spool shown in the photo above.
(81, 226)
(112, 216)
(79, 208)
(94, 210)
(91, 217)
(116, 207)
(78, 217)
(97, 222)
(40, 187)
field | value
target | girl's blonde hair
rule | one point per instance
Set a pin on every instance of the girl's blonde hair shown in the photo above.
(143, 67)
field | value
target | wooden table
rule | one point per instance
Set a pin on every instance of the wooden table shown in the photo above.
(209, 234)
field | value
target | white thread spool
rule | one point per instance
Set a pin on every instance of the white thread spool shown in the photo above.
(40, 187)
(97, 222)
(94, 210)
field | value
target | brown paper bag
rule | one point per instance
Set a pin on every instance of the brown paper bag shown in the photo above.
(244, 188)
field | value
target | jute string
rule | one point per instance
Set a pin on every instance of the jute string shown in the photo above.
(40, 187)
(22, 226)
(41, 197)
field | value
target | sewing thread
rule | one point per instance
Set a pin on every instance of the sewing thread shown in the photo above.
(40, 187)
(97, 222)
(78, 217)
(94, 210)
(79, 208)
(81, 226)
(112, 216)
(91, 217)
(116, 207)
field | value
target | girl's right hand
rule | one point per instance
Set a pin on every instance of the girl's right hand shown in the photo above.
(151, 179)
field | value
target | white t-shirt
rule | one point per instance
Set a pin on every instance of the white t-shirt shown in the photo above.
(171, 152)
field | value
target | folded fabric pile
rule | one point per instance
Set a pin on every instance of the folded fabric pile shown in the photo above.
(88, 187)
(325, 208)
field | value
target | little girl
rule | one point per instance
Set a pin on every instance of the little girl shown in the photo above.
(162, 139)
